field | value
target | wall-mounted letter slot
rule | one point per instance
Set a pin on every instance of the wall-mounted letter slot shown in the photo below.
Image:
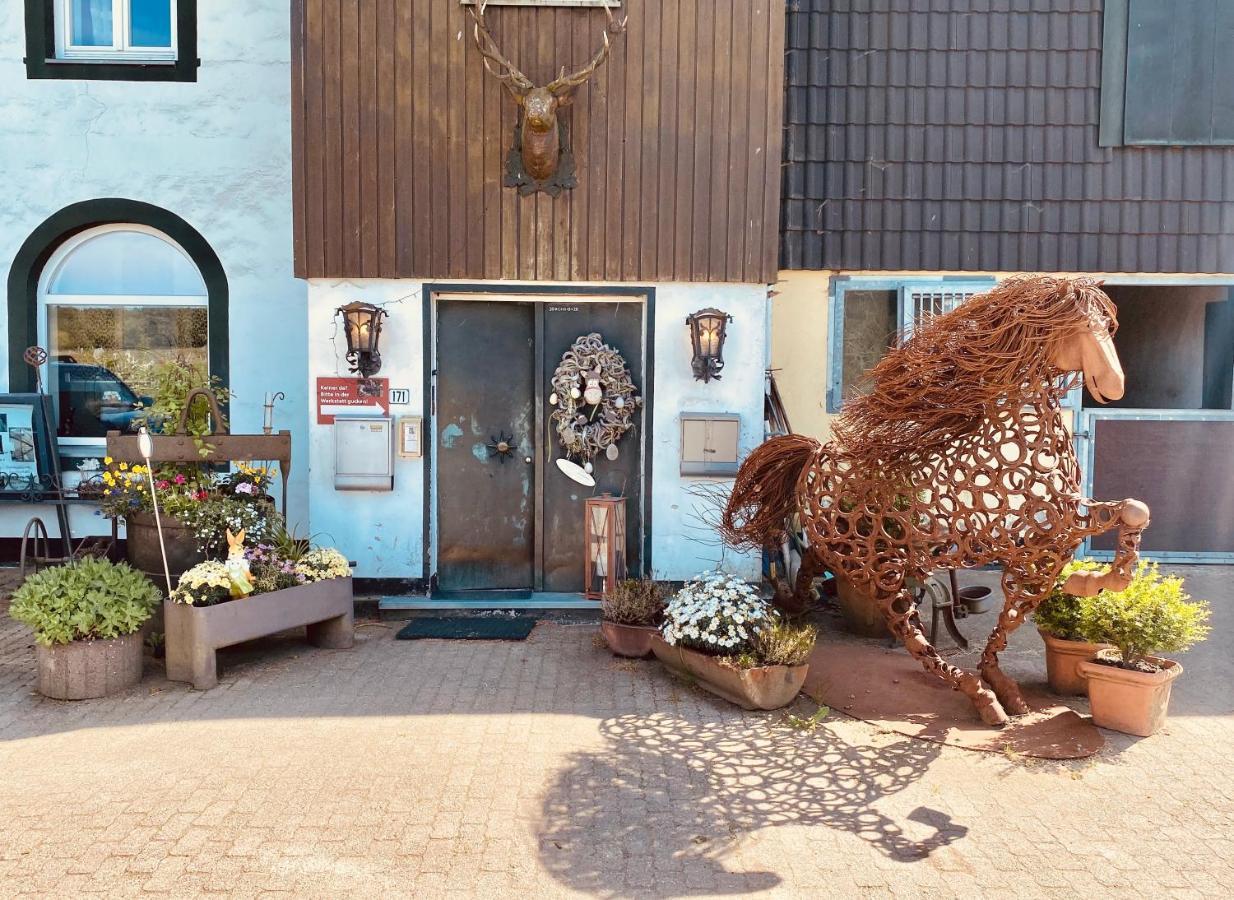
(709, 443)
(363, 453)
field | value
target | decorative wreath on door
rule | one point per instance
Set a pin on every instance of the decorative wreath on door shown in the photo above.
(595, 398)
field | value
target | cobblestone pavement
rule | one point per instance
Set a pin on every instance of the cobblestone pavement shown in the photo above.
(548, 768)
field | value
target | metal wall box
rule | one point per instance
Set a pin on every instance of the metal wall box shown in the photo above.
(709, 443)
(363, 453)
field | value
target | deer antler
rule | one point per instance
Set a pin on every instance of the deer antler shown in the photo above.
(515, 81)
(564, 83)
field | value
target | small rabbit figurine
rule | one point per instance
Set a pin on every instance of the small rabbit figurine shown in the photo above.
(237, 566)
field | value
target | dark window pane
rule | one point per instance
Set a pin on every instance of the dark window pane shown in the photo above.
(91, 25)
(151, 25)
(870, 324)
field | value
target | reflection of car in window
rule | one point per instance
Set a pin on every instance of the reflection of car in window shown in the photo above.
(93, 400)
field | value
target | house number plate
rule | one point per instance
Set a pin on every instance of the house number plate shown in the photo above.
(400, 396)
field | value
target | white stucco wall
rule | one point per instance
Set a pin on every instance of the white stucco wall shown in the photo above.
(217, 153)
(384, 531)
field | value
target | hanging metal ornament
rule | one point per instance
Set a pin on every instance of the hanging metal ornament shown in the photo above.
(612, 452)
(502, 447)
(552, 399)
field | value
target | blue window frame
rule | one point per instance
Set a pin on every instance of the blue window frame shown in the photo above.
(867, 315)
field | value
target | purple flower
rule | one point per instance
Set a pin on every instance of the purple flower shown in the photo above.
(244, 488)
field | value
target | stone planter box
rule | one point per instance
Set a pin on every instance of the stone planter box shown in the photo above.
(632, 641)
(141, 547)
(1129, 701)
(769, 687)
(195, 633)
(1062, 662)
(83, 670)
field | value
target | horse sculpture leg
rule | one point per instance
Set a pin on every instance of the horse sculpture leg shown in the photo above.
(901, 618)
(1131, 517)
(1022, 598)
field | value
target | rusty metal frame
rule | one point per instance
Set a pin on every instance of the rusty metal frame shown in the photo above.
(216, 447)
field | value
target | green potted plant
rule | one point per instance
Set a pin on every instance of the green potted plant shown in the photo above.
(1129, 686)
(260, 590)
(1058, 622)
(87, 618)
(630, 614)
(719, 633)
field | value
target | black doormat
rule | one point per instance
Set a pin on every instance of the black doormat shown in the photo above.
(467, 628)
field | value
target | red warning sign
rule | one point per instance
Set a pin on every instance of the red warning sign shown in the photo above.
(351, 397)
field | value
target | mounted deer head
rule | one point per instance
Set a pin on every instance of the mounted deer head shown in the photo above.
(539, 132)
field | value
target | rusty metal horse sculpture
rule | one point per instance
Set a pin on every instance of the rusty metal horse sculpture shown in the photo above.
(958, 456)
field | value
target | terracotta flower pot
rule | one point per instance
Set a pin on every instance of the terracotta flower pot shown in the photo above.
(860, 610)
(1062, 660)
(83, 670)
(141, 546)
(767, 687)
(1129, 701)
(633, 641)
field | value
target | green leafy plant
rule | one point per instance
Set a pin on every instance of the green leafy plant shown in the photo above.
(286, 541)
(634, 601)
(171, 382)
(1059, 614)
(1152, 615)
(87, 599)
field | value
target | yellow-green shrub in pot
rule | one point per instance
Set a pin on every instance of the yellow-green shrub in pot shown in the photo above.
(1129, 687)
(87, 617)
(1058, 622)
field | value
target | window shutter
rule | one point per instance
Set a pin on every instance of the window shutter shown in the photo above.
(1180, 72)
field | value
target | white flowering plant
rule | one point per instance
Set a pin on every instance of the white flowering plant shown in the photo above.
(717, 614)
(205, 584)
(321, 563)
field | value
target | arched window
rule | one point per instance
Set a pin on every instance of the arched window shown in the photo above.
(115, 302)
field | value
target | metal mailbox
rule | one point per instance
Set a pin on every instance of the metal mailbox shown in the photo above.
(363, 453)
(709, 443)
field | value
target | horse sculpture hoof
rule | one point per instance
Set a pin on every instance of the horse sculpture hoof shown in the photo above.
(992, 714)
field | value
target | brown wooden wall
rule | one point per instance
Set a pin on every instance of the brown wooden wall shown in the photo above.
(400, 138)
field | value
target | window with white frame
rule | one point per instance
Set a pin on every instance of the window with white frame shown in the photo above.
(116, 29)
(114, 303)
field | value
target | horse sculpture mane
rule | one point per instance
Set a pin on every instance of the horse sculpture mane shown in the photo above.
(958, 456)
(941, 383)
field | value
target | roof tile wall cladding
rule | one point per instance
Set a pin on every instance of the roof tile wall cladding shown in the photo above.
(962, 135)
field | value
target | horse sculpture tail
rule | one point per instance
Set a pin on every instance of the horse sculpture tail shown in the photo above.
(764, 495)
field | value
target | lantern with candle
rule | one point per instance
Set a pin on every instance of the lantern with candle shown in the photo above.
(604, 527)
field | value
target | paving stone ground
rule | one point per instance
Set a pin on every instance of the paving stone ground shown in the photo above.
(548, 768)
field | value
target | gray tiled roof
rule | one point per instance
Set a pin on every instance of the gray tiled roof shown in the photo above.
(962, 135)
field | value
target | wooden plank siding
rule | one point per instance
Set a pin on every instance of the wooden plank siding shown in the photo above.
(400, 138)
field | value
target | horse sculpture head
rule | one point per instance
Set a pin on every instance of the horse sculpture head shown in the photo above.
(1011, 345)
(1090, 348)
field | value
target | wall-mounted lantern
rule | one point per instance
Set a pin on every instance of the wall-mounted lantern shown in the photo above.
(362, 324)
(604, 523)
(708, 328)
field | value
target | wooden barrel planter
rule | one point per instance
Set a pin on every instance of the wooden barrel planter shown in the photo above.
(142, 546)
